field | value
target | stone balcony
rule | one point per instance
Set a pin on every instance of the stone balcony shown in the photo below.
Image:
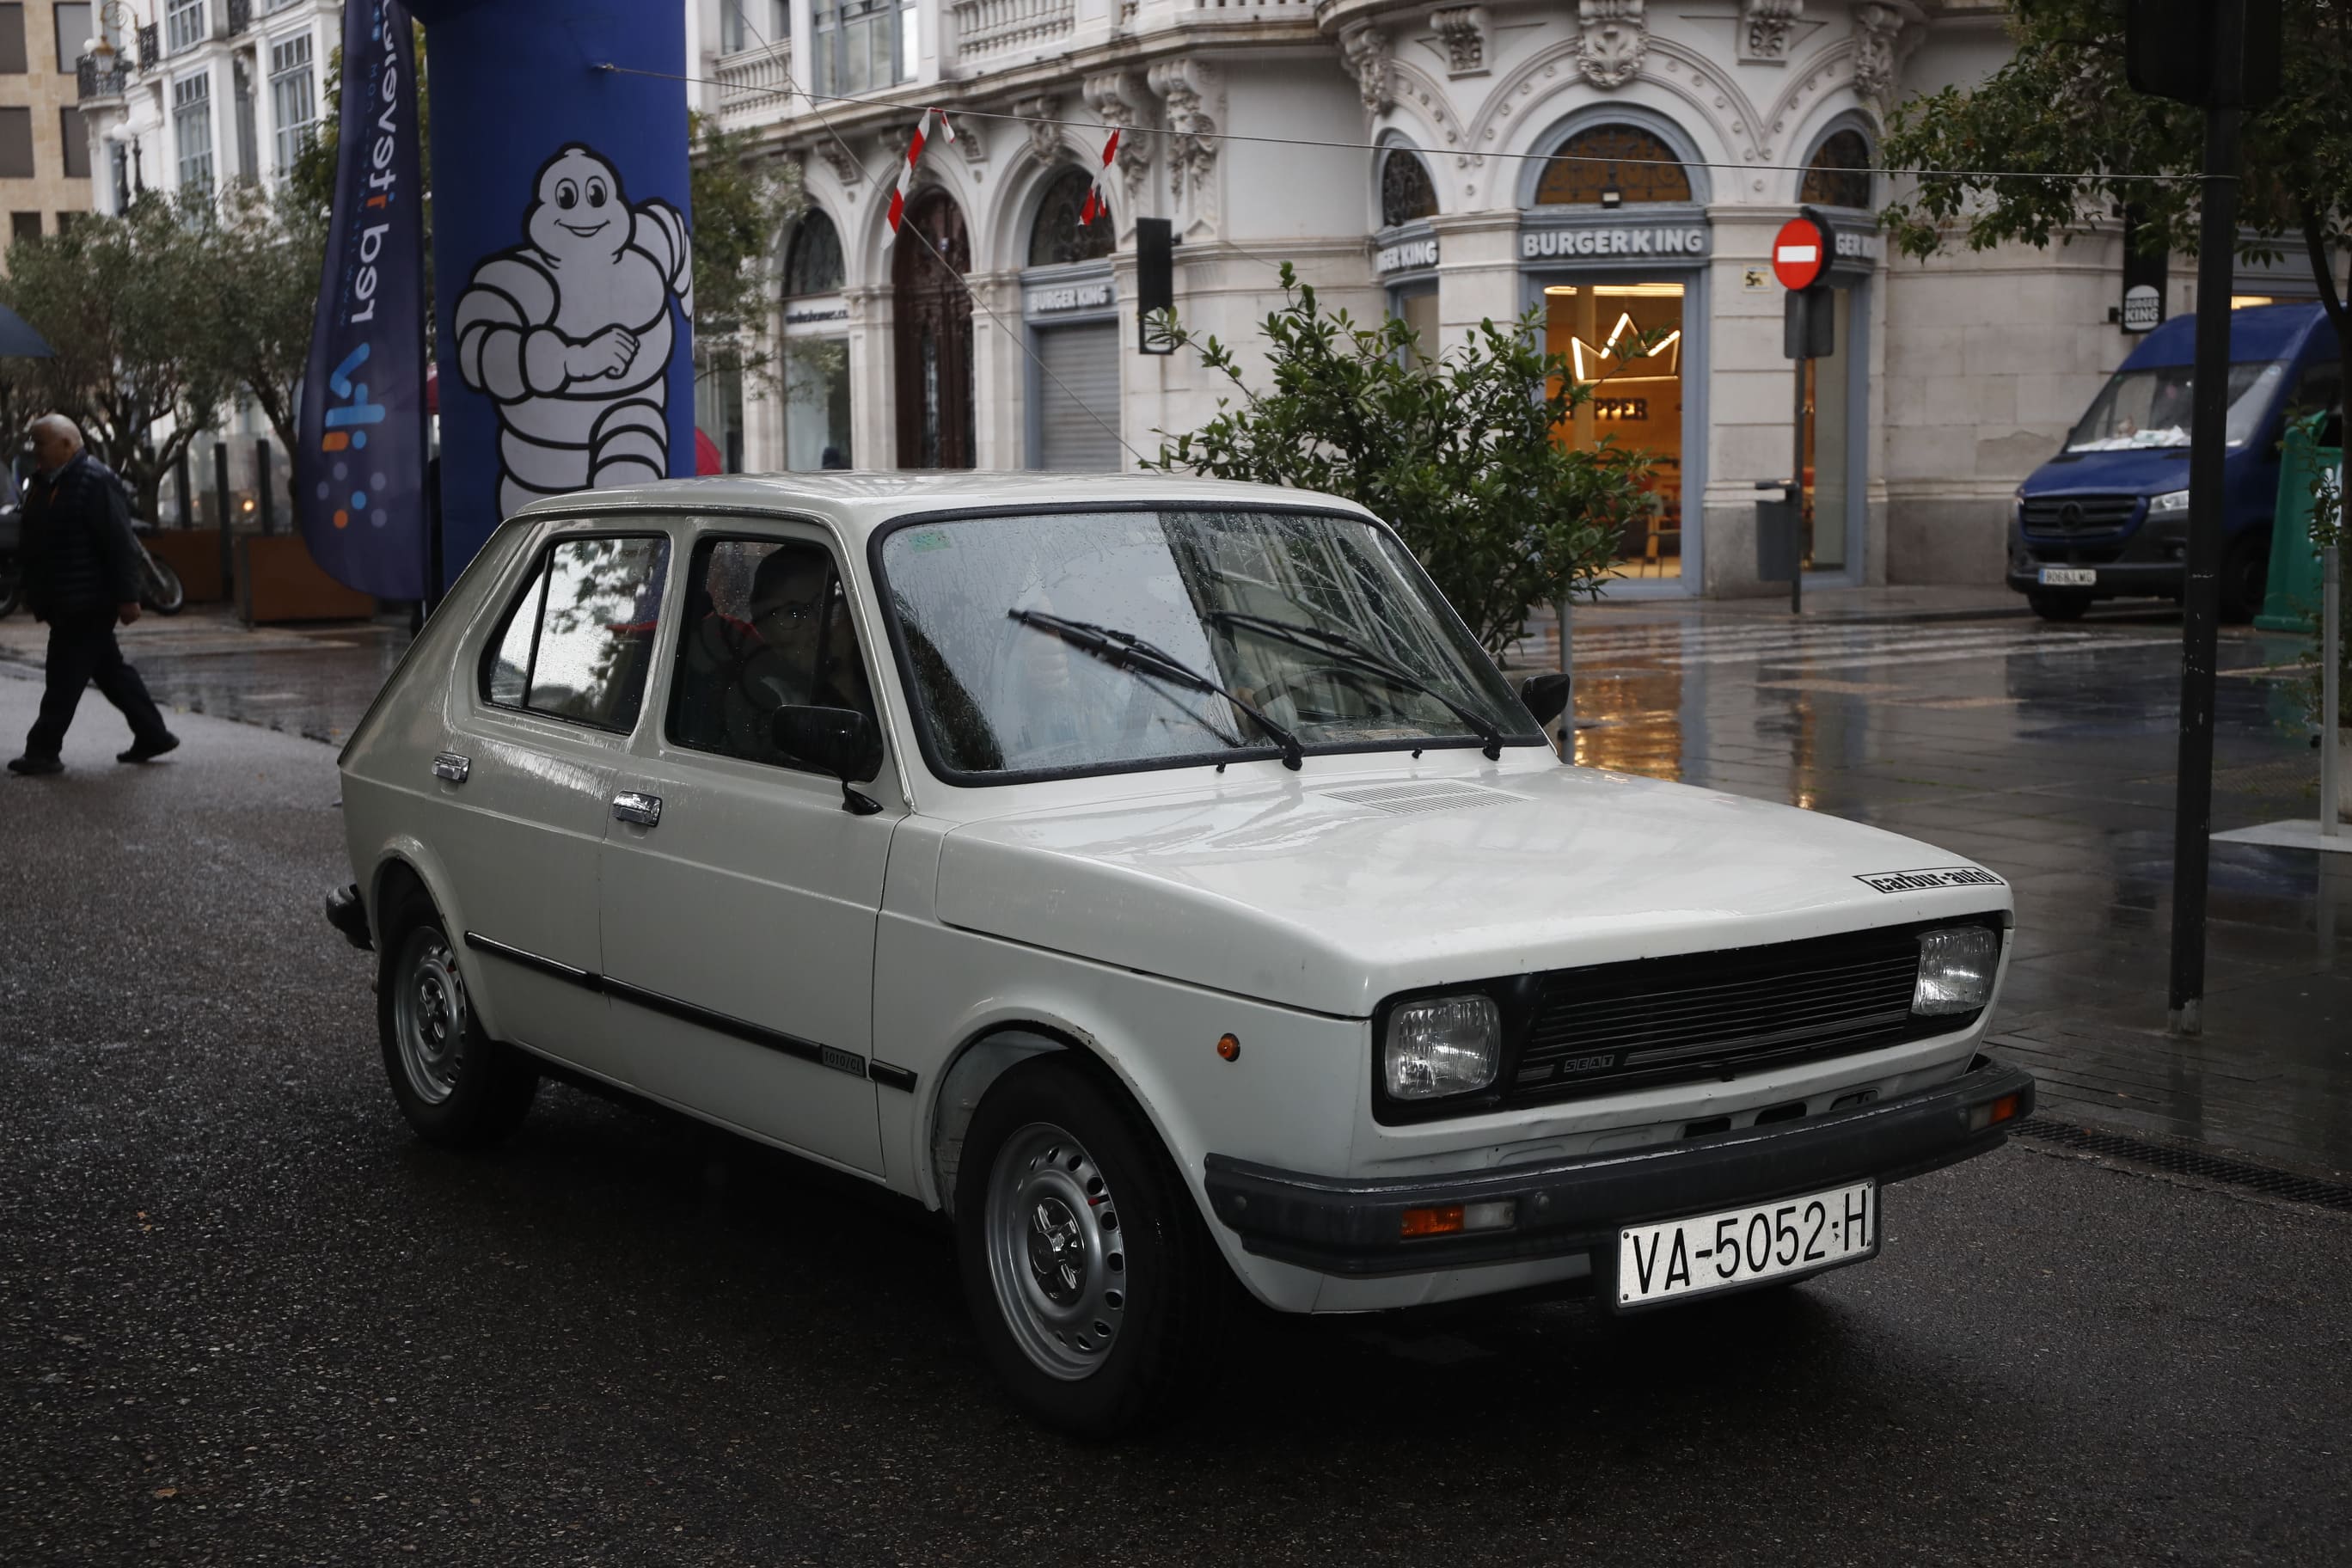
(754, 86)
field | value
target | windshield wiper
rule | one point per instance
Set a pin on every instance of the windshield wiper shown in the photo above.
(1125, 650)
(1340, 644)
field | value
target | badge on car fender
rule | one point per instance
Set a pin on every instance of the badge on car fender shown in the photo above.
(1929, 878)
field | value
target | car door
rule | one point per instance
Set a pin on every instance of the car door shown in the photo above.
(740, 896)
(528, 783)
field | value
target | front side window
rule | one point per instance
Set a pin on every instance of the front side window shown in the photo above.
(767, 627)
(2150, 408)
(1323, 623)
(580, 636)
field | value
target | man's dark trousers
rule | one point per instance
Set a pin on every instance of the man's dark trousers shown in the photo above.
(82, 649)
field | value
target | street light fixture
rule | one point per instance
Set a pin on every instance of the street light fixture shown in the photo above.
(113, 17)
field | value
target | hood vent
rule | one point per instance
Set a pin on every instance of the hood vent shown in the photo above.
(1410, 799)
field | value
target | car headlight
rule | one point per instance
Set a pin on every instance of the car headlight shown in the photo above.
(1444, 1045)
(1957, 965)
(2171, 500)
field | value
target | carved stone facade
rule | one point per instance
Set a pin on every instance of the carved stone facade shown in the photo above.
(1764, 28)
(1877, 28)
(1365, 51)
(1117, 98)
(1044, 135)
(1465, 32)
(1614, 38)
(1191, 93)
(840, 160)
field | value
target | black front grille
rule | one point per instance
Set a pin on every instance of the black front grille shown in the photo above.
(1717, 1014)
(2078, 517)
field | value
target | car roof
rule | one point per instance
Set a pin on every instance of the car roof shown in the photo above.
(861, 500)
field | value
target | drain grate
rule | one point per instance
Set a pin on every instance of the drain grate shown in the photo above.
(2191, 1162)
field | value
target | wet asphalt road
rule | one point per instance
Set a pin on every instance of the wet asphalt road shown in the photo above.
(244, 1318)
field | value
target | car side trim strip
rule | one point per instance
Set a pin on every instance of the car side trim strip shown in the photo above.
(579, 977)
(686, 1012)
(890, 1075)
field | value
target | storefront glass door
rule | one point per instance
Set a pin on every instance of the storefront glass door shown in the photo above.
(1626, 340)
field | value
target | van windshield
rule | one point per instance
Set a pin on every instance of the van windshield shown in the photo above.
(2150, 408)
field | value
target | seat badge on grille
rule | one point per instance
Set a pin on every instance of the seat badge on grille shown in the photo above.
(1600, 1063)
(1934, 877)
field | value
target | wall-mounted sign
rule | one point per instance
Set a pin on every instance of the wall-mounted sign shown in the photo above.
(1756, 279)
(2143, 309)
(823, 311)
(1405, 256)
(1061, 298)
(1859, 244)
(1620, 408)
(1614, 240)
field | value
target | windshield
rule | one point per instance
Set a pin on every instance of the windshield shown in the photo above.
(1324, 625)
(2149, 408)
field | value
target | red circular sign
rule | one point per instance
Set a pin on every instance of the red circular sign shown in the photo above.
(1800, 254)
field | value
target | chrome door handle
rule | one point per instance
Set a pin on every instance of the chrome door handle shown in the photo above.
(452, 767)
(644, 810)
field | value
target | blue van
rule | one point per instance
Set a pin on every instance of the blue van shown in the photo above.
(2108, 516)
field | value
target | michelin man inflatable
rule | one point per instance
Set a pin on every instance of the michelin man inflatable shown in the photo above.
(570, 333)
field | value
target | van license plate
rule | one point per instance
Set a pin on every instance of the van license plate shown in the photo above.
(2070, 576)
(1657, 1263)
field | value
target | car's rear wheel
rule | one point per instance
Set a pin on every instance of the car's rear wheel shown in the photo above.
(456, 1085)
(2059, 606)
(1093, 1283)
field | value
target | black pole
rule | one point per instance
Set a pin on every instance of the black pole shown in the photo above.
(2200, 601)
(188, 490)
(220, 499)
(261, 487)
(1797, 476)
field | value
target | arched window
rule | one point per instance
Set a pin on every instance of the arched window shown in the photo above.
(813, 265)
(1406, 191)
(1058, 236)
(1610, 166)
(1839, 175)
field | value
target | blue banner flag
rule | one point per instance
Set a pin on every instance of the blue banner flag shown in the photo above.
(359, 469)
(562, 254)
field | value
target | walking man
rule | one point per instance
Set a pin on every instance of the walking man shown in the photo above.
(81, 575)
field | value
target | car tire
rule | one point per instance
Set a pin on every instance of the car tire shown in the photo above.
(1094, 1285)
(2245, 577)
(2059, 606)
(456, 1086)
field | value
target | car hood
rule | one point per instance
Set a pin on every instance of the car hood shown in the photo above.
(1331, 895)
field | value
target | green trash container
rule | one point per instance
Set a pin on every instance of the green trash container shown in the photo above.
(2292, 597)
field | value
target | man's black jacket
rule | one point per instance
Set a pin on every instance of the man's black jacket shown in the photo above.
(78, 555)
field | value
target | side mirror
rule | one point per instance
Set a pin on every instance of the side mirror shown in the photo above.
(1545, 695)
(836, 740)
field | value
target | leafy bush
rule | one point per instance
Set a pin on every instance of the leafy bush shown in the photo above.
(1457, 451)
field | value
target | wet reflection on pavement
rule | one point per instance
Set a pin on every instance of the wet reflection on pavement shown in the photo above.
(2046, 754)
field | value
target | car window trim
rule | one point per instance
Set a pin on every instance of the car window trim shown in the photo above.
(886, 606)
(543, 569)
(822, 539)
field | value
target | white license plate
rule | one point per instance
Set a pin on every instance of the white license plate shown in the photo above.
(2070, 576)
(1740, 1247)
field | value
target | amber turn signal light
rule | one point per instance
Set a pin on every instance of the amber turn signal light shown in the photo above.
(1983, 1116)
(1229, 1046)
(1443, 1221)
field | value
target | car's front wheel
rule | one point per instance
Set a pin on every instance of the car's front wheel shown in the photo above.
(2059, 606)
(1094, 1285)
(456, 1085)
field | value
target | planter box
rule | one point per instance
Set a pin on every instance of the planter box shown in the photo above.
(194, 554)
(277, 580)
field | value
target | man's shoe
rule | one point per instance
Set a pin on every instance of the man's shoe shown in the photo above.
(35, 766)
(148, 750)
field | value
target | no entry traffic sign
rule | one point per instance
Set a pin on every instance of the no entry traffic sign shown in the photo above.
(1799, 254)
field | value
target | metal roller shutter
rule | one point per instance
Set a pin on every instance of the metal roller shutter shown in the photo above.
(1085, 360)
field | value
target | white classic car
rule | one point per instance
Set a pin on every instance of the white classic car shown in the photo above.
(1154, 875)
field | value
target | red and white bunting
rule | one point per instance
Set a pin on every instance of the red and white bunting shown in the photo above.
(906, 172)
(1097, 203)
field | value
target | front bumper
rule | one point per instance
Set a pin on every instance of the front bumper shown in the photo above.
(1353, 1228)
(2117, 579)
